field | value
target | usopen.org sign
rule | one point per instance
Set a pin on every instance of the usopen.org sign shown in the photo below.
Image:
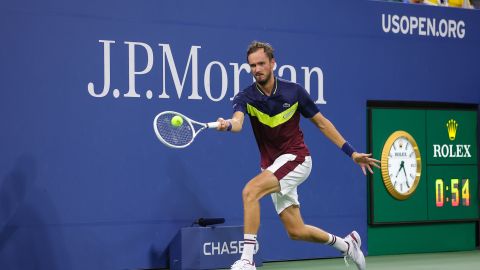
(423, 26)
(229, 73)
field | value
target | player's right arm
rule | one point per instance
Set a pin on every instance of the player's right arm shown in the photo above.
(236, 122)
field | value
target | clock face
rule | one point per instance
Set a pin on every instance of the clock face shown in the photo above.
(401, 165)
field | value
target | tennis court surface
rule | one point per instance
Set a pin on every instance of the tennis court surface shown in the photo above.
(464, 260)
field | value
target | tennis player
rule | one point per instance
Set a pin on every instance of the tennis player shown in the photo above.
(274, 107)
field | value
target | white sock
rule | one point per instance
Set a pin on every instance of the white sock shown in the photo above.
(249, 243)
(337, 242)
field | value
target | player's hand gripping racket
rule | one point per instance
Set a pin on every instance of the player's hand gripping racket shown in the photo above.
(175, 130)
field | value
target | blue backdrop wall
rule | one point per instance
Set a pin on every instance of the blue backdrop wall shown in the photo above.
(84, 183)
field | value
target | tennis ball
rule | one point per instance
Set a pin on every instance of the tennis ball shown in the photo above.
(177, 121)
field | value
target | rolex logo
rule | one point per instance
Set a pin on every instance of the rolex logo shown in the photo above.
(452, 150)
(452, 129)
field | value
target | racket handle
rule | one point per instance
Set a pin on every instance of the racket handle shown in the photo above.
(213, 124)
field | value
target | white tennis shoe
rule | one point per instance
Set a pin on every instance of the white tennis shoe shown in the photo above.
(354, 253)
(243, 265)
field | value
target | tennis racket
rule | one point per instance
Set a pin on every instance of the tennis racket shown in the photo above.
(178, 136)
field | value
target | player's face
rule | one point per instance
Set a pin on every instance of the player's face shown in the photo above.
(261, 67)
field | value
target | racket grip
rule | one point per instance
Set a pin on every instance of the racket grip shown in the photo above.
(213, 124)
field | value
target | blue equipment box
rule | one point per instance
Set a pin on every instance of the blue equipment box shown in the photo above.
(207, 248)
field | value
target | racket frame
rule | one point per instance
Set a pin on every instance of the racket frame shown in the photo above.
(186, 119)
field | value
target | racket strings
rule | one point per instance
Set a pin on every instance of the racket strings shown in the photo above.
(176, 136)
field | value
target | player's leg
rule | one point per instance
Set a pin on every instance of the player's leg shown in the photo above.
(298, 230)
(290, 175)
(261, 185)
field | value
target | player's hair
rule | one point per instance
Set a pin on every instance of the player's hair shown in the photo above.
(257, 45)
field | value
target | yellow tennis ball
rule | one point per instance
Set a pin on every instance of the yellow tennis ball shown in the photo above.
(177, 121)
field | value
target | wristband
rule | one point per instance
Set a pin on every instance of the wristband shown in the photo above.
(348, 149)
(229, 128)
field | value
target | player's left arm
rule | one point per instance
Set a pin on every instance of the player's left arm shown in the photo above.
(365, 161)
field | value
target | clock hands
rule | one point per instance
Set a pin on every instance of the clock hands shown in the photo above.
(402, 167)
(399, 169)
(406, 178)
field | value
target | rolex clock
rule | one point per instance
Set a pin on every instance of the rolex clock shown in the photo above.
(401, 165)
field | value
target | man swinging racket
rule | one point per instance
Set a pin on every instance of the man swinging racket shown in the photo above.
(274, 107)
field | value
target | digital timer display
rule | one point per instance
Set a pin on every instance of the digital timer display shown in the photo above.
(453, 192)
(459, 195)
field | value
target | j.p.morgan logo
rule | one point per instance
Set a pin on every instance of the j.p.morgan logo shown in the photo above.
(228, 74)
(223, 248)
(452, 150)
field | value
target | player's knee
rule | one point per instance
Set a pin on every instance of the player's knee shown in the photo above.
(296, 233)
(249, 194)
